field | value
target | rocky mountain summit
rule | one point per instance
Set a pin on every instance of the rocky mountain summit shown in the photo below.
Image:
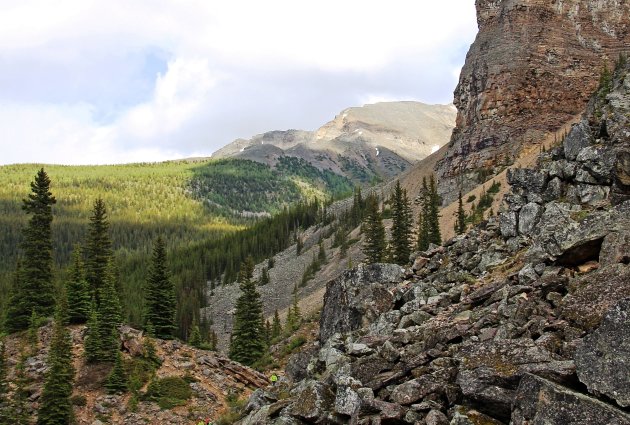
(380, 139)
(530, 70)
(523, 320)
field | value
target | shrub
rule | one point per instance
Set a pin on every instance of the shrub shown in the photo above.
(168, 392)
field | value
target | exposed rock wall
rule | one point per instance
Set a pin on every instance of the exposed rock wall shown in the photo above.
(532, 67)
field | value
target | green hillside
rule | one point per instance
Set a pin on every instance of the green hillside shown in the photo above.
(193, 205)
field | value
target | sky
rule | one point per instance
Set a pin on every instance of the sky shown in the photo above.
(100, 82)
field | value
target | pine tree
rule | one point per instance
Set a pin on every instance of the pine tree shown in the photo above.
(18, 412)
(116, 382)
(460, 224)
(55, 406)
(109, 319)
(247, 343)
(321, 256)
(34, 290)
(98, 250)
(92, 342)
(434, 219)
(5, 414)
(264, 277)
(276, 327)
(78, 290)
(160, 294)
(194, 337)
(374, 244)
(401, 226)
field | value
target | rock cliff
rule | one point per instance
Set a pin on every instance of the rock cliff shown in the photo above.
(532, 68)
(522, 320)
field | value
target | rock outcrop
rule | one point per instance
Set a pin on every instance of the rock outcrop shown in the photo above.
(532, 67)
(522, 320)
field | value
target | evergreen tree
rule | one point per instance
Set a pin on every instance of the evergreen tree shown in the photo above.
(18, 412)
(374, 244)
(401, 226)
(264, 277)
(247, 343)
(423, 217)
(321, 256)
(116, 382)
(98, 250)
(78, 290)
(460, 224)
(434, 218)
(160, 294)
(5, 415)
(194, 337)
(55, 406)
(92, 342)
(34, 290)
(109, 319)
(276, 327)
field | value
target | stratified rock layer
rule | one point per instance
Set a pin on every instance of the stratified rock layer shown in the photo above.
(532, 67)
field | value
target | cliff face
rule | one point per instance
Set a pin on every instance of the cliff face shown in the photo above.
(532, 68)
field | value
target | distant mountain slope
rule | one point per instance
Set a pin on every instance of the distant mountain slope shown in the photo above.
(366, 144)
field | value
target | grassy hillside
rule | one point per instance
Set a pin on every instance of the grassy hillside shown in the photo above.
(192, 204)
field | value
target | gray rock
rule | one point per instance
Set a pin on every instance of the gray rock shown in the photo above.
(592, 194)
(388, 352)
(578, 138)
(296, 368)
(465, 416)
(528, 217)
(508, 224)
(435, 417)
(314, 400)
(490, 370)
(554, 190)
(528, 180)
(414, 390)
(347, 401)
(599, 161)
(615, 248)
(539, 401)
(621, 177)
(527, 275)
(603, 359)
(357, 298)
(562, 169)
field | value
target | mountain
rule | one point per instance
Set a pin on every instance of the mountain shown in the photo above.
(522, 320)
(530, 71)
(366, 144)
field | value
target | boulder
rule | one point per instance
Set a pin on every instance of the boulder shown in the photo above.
(599, 161)
(435, 417)
(595, 294)
(313, 401)
(489, 371)
(357, 298)
(131, 340)
(347, 401)
(579, 137)
(297, 366)
(621, 177)
(539, 401)
(603, 359)
(528, 217)
(416, 389)
(508, 224)
(526, 180)
(615, 248)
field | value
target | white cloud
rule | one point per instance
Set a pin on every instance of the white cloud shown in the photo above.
(89, 81)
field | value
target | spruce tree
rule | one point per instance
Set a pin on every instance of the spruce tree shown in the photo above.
(423, 217)
(374, 244)
(264, 277)
(247, 343)
(116, 382)
(460, 224)
(18, 412)
(160, 295)
(276, 327)
(55, 406)
(78, 290)
(92, 343)
(109, 319)
(194, 337)
(401, 226)
(434, 218)
(98, 250)
(34, 290)
(5, 415)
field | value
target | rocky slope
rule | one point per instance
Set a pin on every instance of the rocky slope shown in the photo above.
(378, 140)
(522, 320)
(212, 379)
(531, 68)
